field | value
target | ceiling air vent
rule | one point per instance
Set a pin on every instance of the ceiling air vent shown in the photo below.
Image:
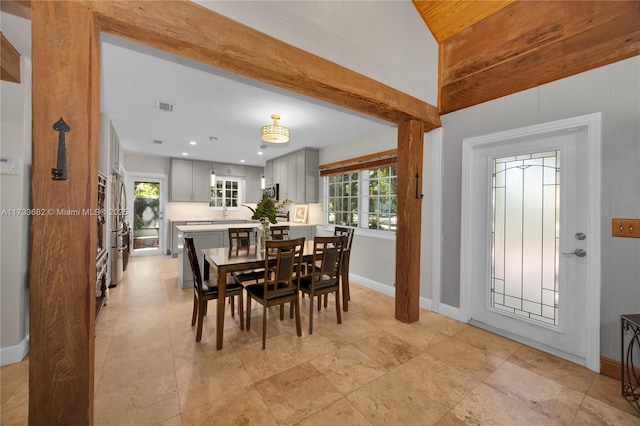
(157, 141)
(164, 106)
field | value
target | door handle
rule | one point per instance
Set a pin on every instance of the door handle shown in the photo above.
(578, 252)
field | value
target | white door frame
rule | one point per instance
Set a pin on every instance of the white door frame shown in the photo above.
(594, 143)
(130, 178)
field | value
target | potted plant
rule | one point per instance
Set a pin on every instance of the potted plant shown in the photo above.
(265, 212)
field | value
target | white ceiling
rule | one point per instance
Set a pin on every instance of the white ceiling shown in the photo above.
(209, 103)
(213, 103)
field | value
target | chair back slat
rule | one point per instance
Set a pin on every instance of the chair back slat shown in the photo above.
(241, 238)
(195, 265)
(279, 232)
(282, 277)
(340, 231)
(327, 254)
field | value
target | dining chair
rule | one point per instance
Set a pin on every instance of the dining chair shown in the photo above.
(240, 241)
(324, 277)
(203, 291)
(279, 232)
(340, 231)
(283, 259)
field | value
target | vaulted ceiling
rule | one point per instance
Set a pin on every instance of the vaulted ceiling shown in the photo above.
(490, 49)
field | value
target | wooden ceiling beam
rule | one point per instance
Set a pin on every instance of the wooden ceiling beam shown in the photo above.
(21, 8)
(531, 43)
(9, 61)
(192, 31)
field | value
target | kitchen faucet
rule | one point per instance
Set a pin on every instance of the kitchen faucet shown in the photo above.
(224, 210)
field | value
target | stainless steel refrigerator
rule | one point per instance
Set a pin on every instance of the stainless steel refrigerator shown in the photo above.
(120, 230)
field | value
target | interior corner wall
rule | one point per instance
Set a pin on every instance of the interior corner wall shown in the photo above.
(613, 90)
(15, 144)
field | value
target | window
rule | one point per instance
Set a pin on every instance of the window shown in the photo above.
(225, 191)
(366, 199)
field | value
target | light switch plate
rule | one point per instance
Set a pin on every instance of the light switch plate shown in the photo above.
(629, 228)
(8, 166)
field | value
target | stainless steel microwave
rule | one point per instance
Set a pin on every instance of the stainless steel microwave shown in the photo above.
(271, 191)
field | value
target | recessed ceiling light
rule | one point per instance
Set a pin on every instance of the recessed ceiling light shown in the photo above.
(242, 161)
(193, 143)
(184, 153)
(260, 152)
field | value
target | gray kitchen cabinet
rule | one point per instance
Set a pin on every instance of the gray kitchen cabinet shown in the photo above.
(297, 174)
(252, 188)
(190, 180)
(268, 173)
(224, 169)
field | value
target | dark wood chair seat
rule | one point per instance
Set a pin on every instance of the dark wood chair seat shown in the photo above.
(283, 259)
(203, 291)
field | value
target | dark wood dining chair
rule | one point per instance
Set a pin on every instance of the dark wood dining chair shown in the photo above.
(324, 277)
(340, 231)
(203, 291)
(279, 232)
(241, 240)
(283, 259)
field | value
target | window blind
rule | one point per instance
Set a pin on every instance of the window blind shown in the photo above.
(371, 161)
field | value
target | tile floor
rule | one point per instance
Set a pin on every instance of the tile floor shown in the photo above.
(371, 370)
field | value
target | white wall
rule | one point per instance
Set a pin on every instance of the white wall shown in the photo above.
(384, 40)
(15, 137)
(613, 90)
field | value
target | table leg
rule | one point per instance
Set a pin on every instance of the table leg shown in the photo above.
(222, 290)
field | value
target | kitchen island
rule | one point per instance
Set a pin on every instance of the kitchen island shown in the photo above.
(212, 236)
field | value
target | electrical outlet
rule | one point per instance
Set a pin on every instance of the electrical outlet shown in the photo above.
(629, 228)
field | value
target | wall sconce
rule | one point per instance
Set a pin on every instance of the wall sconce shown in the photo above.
(263, 182)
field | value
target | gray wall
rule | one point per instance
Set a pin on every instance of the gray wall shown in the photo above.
(613, 90)
(15, 193)
(374, 258)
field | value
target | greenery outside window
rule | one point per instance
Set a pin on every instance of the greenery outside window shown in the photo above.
(226, 191)
(365, 199)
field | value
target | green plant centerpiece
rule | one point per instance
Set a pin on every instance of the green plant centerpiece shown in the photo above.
(265, 212)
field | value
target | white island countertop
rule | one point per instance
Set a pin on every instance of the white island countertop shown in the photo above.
(223, 227)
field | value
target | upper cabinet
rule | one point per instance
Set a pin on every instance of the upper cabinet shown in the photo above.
(224, 169)
(297, 174)
(252, 188)
(190, 180)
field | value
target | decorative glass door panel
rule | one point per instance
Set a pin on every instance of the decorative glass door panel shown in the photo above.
(525, 235)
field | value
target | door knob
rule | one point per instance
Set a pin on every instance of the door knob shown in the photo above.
(578, 252)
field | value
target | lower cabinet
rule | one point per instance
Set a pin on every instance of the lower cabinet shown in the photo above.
(201, 240)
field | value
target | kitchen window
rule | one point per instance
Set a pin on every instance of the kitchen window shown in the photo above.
(226, 191)
(364, 198)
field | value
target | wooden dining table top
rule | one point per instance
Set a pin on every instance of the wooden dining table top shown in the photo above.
(226, 260)
(245, 258)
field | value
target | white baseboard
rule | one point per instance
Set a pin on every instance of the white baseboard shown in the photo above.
(15, 353)
(425, 303)
(449, 311)
(373, 285)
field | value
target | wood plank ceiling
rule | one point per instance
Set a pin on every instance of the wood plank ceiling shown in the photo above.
(490, 49)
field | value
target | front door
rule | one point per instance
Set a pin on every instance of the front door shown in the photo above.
(532, 234)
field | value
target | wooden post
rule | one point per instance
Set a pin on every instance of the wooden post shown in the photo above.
(409, 194)
(66, 83)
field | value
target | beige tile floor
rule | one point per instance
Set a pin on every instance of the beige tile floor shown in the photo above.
(371, 370)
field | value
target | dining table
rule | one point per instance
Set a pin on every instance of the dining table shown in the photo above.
(226, 260)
